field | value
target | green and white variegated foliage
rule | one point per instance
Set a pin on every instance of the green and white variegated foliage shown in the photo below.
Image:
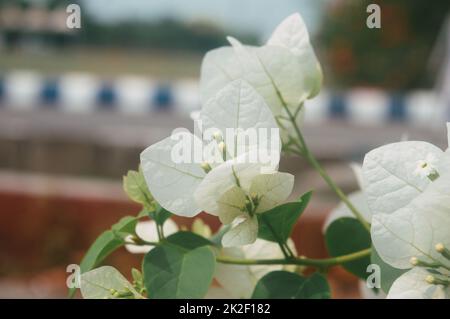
(407, 187)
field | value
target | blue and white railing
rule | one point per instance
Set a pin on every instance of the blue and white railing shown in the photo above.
(85, 93)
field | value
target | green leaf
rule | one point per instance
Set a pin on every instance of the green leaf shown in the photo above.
(345, 236)
(105, 244)
(136, 188)
(160, 215)
(106, 283)
(126, 225)
(277, 224)
(188, 240)
(173, 272)
(288, 285)
(388, 273)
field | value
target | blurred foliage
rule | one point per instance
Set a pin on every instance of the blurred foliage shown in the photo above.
(156, 34)
(163, 34)
(393, 57)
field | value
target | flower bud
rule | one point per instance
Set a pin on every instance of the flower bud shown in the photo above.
(440, 248)
(417, 262)
(222, 147)
(217, 136)
(429, 279)
(414, 261)
(206, 167)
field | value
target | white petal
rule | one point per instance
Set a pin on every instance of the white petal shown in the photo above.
(413, 231)
(359, 201)
(230, 204)
(412, 285)
(221, 178)
(291, 33)
(137, 249)
(240, 108)
(171, 183)
(147, 231)
(219, 68)
(272, 189)
(244, 233)
(263, 249)
(237, 280)
(269, 69)
(240, 281)
(389, 179)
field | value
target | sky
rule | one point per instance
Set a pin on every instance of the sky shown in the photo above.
(255, 16)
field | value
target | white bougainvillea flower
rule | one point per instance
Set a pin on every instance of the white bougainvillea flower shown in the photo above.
(236, 191)
(239, 281)
(389, 173)
(284, 71)
(175, 167)
(411, 216)
(169, 180)
(243, 121)
(146, 230)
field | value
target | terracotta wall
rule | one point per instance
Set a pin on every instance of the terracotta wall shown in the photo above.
(42, 232)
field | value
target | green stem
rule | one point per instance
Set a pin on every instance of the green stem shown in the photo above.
(138, 241)
(318, 263)
(287, 253)
(308, 155)
(158, 231)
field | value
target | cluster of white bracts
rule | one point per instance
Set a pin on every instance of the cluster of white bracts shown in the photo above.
(406, 197)
(243, 88)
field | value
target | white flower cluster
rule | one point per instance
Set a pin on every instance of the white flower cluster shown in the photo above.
(406, 197)
(243, 88)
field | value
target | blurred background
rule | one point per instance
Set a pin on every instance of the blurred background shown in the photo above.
(77, 106)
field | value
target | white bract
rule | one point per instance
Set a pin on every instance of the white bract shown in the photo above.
(238, 281)
(236, 176)
(411, 215)
(146, 230)
(236, 192)
(284, 71)
(173, 167)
